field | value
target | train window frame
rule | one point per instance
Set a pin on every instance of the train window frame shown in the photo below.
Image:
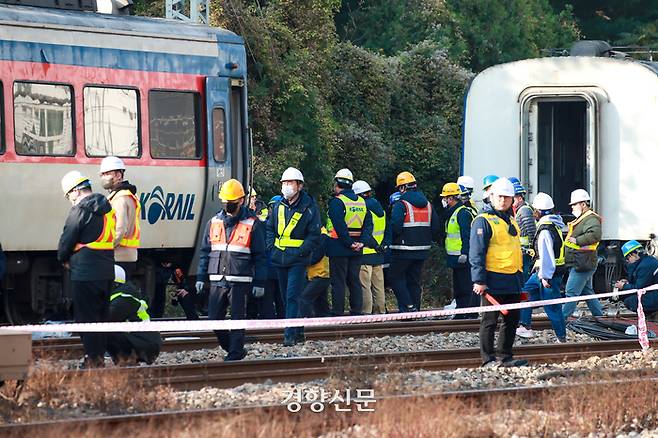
(138, 99)
(74, 125)
(198, 122)
(212, 115)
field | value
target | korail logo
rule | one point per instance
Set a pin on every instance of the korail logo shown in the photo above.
(158, 205)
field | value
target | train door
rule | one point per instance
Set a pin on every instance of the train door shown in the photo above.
(559, 145)
(227, 150)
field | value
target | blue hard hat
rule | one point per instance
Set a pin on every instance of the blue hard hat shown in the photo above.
(518, 187)
(488, 180)
(630, 246)
(275, 198)
(394, 198)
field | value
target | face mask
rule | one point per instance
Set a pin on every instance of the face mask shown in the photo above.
(107, 181)
(288, 191)
(444, 202)
(232, 207)
(576, 211)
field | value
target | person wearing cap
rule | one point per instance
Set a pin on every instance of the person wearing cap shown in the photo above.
(350, 229)
(257, 205)
(126, 305)
(642, 270)
(525, 217)
(487, 181)
(293, 233)
(457, 228)
(496, 264)
(122, 196)
(581, 243)
(372, 263)
(466, 184)
(86, 250)
(413, 225)
(548, 268)
(232, 257)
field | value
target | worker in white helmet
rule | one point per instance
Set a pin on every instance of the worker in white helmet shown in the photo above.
(123, 197)
(580, 256)
(292, 233)
(466, 183)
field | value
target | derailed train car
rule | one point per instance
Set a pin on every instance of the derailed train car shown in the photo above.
(168, 98)
(568, 122)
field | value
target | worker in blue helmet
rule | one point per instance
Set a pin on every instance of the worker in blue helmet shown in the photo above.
(524, 215)
(486, 186)
(642, 272)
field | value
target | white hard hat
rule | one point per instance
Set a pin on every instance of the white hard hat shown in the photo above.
(579, 195)
(112, 163)
(543, 202)
(72, 180)
(292, 174)
(361, 187)
(119, 274)
(502, 187)
(466, 181)
(344, 174)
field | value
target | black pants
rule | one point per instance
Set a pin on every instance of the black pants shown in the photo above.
(129, 267)
(219, 299)
(314, 298)
(345, 272)
(507, 331)
(405, 280)
(463, 291)
(272, 284)
(91, 301)
(263, 307)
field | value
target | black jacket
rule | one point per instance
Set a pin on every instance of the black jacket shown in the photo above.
(341, 247)
(308, 229)
(642, 273)
(395, 226)
(124, 185)
(84, 224)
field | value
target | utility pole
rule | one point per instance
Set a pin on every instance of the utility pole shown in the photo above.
(198, 10)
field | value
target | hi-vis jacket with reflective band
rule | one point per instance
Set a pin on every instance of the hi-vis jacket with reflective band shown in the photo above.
(355, 216)
(378, 231)
(142, 313)
(453, 232)
(131, 240)
(504, 250)
(231, 260)
(106, 239)
(558, 241)
(284, 230)
(572, 225)
(416, 229)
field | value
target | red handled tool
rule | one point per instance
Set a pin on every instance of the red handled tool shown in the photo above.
(495, 302)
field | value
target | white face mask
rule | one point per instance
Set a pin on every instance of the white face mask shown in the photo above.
(576, 211)
(444, 202)
(288, 191)
(107, 181)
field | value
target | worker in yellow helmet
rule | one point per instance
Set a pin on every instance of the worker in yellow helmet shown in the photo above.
(232, 257)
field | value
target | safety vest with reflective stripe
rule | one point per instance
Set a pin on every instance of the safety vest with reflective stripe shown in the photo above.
(231, 260)
(106, 239)
(131, 240)
(571, 226)
(262, 216)
(355, 215)
(504, 251)
(142, 313)
(283, 232)
(378, 230)
(558, 241)
(416, 230)
(453, 232)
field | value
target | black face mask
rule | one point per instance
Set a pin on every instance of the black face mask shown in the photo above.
(232, 207)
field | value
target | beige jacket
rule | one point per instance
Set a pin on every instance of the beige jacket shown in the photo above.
(125, 210)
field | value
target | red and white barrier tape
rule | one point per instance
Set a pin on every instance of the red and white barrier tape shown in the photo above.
(252, 324)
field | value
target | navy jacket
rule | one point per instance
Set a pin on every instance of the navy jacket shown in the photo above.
(84, 224)
(642, 273)
(375, 259)
(258, 253)
(395, 224)
(308, 229)
(498, 284)
(464, 219)
(341, 247)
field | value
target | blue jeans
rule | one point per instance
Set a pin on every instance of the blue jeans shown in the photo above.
(537, 292)
(292, 281)
(649, 302)
(579, 284)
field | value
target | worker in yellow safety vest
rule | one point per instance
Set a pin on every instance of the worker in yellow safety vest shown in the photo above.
(123, 197)
(292, 234)
(86, 249)
(350, 229)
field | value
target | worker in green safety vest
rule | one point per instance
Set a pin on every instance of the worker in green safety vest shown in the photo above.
(458, 231)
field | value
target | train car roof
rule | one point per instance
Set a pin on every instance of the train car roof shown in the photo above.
(157, 27)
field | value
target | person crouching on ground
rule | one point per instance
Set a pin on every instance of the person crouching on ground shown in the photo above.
(642, 272)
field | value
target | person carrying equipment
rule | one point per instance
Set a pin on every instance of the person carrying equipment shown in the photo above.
(642, 272)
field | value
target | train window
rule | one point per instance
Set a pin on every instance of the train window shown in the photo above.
(43, 122)
(111, 122)
(174, 124)
(219, 146)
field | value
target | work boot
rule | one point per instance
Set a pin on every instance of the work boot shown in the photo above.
(490, 364)
(95, 362)
(288, 342)
(300, 338)
(229, 357)
(511, 362)
(524, 332)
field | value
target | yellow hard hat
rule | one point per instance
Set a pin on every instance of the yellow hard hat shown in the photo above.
(231, 190)
(451, 189)
(404, 178)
